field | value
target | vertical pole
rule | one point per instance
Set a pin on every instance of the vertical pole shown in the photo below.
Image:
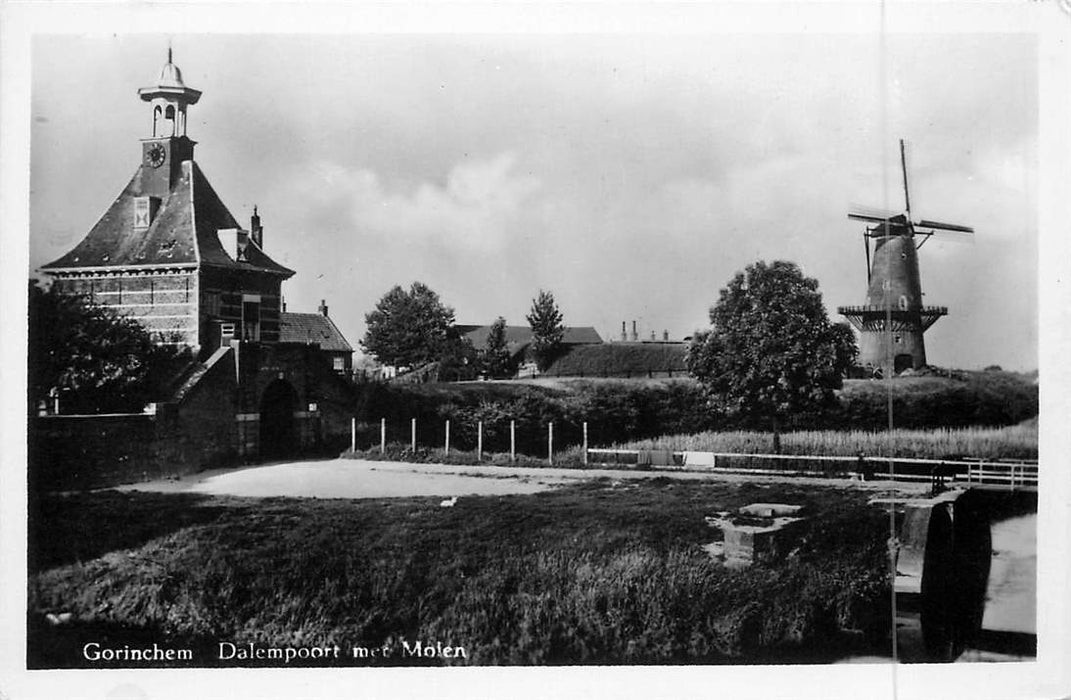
(412, 434)
(382, 436)
(446, 449)
(512, 441)
(585, 443)
(353, 435)
(550, 443)
(479, 441)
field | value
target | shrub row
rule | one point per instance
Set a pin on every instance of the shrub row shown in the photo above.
(621, 411)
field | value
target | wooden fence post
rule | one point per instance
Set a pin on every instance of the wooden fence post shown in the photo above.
(446, 448)
(512, 441)
(382, 436)
(550, 443)
(585, 443)
(412, 431)
(479, 441)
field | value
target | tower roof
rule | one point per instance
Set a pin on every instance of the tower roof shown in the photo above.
(183, 233)
(170, 75)
(169, 85)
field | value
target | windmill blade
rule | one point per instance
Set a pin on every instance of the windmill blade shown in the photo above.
(926, 223)
(877, 212)
(870, 217)
(903, 166)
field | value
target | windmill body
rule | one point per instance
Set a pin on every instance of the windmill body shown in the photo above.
(893, 321)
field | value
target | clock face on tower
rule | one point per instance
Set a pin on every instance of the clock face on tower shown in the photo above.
(156, 156)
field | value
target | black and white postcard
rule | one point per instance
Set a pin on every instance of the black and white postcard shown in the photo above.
(482, 350)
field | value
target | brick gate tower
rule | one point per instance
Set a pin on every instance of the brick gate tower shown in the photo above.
(168, 253)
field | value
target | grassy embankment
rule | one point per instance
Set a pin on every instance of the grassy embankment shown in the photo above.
(604, 572)
(979, 414)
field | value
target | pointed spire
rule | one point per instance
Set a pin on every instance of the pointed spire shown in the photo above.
(169, 52)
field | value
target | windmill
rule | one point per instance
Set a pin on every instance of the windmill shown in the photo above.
(893, 320)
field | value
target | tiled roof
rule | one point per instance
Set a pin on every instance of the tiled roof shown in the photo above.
(171, 238)
(519, 336)
(312, 328)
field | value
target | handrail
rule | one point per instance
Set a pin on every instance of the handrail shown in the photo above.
(1016, 472)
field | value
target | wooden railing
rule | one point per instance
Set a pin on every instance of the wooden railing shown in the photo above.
(1014, 473)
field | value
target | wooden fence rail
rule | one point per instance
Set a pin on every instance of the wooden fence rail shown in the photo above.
(1023, 473)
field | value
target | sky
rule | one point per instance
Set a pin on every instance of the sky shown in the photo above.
(630, 174)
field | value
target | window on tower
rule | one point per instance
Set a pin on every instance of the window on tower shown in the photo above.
(250, 317)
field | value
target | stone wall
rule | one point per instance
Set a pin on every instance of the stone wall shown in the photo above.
(82, 452)
(79, 452)
(211, 423)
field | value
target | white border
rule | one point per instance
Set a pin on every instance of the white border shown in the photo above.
(1047, 19)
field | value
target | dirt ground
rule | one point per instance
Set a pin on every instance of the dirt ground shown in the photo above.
(349, 478)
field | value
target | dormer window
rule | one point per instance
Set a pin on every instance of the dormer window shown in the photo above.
(234, 242)
(145, 209)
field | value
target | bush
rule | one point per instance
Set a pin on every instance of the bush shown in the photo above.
(614, 411)
(620, 411)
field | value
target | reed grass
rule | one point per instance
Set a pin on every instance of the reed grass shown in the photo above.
(1018, 442)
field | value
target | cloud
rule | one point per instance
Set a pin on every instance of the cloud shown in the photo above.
(473, 209)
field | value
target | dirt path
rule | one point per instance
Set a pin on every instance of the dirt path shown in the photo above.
(348, 478)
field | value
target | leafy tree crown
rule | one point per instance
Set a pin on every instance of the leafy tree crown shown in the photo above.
(97, 360)
(547, 330)
(771, 350)
(495, 356)
(408, 328)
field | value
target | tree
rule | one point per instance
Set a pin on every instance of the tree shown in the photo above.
(458, 359)
(408, 328)
(92, 359)
(772, 351)
(495, 356)
(547, 330)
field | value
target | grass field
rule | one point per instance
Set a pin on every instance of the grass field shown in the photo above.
(600, 573)
(1020, 441)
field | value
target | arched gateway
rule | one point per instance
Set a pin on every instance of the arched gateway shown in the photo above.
(278, 428)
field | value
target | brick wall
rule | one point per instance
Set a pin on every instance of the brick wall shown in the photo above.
(165, 303)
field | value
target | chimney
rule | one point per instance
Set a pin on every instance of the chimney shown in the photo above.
(323, 307)
(665, 336)
(624, 333)
(635, 335)
(255, 228)
(282, 305)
